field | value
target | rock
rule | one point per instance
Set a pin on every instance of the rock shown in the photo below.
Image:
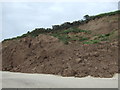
(76, 49)
(96, 54)
(85, 60)
(87, 54)
(96, 68)
(77, 54)
(78, 60)
(69, 72)
(70, 58)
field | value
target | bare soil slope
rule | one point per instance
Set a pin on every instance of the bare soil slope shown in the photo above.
(47, 54)
(103, 25)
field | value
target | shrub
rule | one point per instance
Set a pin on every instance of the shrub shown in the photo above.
(87, 18)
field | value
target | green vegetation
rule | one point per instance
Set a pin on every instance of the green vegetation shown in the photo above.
(99, 38)
(60, 31)
(63, 38)
(104, 37)
(63, 35)
(108, 14)
(88, 18)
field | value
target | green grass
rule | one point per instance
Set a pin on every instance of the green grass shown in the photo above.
(101, 37)
(64, 37)
(104, 37)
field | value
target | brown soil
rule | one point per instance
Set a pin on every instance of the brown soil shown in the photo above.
(46, 54)
(103, 25)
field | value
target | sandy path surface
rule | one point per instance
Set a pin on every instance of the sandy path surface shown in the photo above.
(22, 80)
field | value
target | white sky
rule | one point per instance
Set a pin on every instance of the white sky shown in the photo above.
(20, 17)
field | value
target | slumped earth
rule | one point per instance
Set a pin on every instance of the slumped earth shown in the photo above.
(90, 48)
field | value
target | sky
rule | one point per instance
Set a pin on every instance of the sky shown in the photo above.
(20, 17)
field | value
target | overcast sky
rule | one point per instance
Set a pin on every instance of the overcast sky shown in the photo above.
(20, 17)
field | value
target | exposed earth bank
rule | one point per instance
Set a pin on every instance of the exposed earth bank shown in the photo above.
(48, 55)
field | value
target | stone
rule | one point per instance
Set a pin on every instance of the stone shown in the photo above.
(78, 60)
(70, 58)
(85, 60)
(77, 54)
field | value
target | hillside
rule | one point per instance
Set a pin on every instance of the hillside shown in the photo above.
(81, 48)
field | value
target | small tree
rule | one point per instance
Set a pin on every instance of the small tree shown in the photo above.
(55, 27)
(28, 32)
(87, 17)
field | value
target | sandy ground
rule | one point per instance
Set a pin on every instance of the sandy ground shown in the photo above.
(22, 80)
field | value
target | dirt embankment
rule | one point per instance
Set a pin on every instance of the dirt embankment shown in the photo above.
(103, 25)
(46, 54)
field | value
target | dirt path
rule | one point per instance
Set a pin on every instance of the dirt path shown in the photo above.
(20, 80)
